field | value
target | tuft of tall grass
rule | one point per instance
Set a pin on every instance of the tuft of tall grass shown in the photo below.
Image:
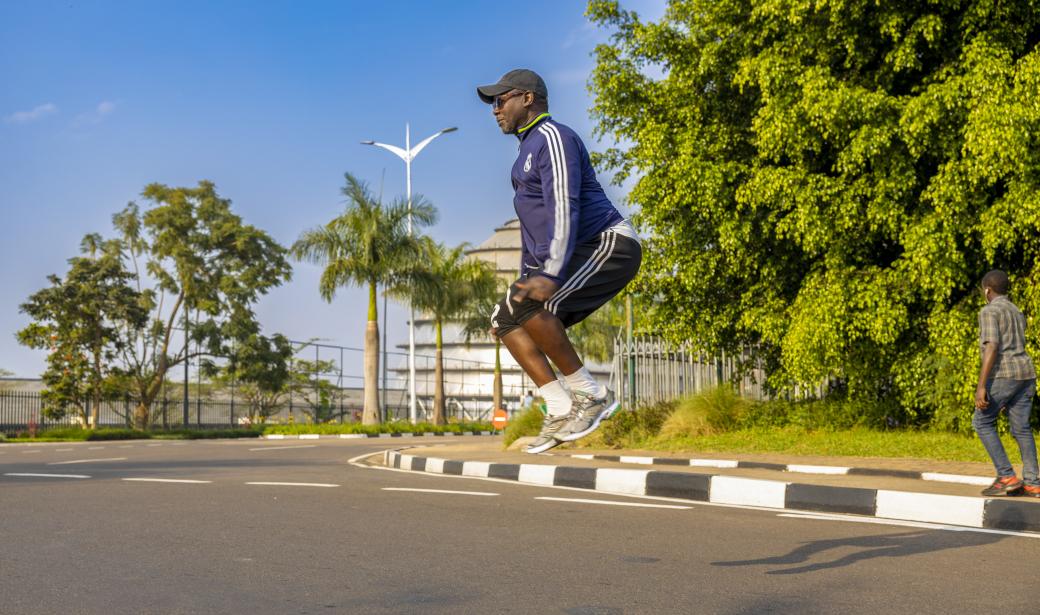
(712, 411)
(527, 423)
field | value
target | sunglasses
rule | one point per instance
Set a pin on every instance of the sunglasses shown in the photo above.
(498, 101)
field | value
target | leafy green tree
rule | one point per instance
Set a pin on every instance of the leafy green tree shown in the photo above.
(317, 392)
(258, 371)
(367, 245)
(445, 288)
(83, 320)
(825, 183)
(199, 258)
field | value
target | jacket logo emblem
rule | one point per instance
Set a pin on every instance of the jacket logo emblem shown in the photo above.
(527, 163)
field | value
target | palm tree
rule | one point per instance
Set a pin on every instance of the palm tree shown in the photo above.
(476, 323)
(445, 289)
(367, 245)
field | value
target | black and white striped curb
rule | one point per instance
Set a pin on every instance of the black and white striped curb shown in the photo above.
(797, 468)
(354, 436)
(1003, 513)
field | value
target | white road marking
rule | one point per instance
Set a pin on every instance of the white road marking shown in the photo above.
(486, 493)
(811, 469)
(63, 450)
(713, 463)
(612, 503)
(61, 463)
(918, 524)
(168, 480)
(94, 448)
(126, 446)
(27, 452)
(282, 448)
(47, 475)
(153, 444)
(178, 443)
(982, 481)
(295, 484)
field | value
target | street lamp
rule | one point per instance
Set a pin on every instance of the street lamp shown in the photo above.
(408, 154)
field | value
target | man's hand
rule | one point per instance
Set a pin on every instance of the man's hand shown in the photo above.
(981, 401)
(538, 287)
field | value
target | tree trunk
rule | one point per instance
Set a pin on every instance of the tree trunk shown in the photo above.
(141, 417)
(150, 388)
(370, 416)
(438, 379)
(93, 419)
(497, 387)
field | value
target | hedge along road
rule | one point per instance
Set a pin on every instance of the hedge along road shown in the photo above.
(235, 526)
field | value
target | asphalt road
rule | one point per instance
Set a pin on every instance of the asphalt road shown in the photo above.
(359, 540)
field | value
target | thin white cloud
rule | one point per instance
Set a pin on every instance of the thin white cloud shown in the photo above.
(104, 109)
(570, 76)
(586, 31)
(24, 117)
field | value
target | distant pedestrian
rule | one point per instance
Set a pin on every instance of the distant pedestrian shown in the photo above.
(528, 401)
(1007, 379)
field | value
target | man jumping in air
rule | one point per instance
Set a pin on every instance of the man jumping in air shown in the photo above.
(578, 252)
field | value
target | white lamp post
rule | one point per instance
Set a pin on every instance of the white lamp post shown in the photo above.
(408, 154)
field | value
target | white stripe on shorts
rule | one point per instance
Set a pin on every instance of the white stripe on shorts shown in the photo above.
(554, 302)
(550, 304)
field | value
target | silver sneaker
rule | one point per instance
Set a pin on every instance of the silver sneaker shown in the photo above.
(547, 438)
(586, 415)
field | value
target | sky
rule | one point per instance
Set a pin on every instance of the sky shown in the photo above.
(269, 100)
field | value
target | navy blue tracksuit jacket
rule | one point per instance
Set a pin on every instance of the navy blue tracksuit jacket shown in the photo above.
(558, 199)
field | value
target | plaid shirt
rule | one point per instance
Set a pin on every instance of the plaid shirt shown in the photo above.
(1001, 323)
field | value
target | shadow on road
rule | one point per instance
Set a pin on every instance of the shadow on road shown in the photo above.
(868, 547)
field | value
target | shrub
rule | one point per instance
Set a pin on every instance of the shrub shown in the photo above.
(123, 433)
(390, 427)
(205, 434)
(825, 414)
(711, 411)
(626, 429)
(527, 423)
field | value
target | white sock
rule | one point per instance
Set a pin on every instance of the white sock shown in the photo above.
(557, 399)
(583, 381)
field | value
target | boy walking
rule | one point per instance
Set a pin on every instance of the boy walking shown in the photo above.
(578, 252)
(1007, 379)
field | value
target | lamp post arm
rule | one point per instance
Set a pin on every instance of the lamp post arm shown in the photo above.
(397, 151)
(421, 144)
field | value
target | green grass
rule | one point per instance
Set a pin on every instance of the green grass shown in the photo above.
(792, 440)
(719, 421)
(391, 427)
(76, 434)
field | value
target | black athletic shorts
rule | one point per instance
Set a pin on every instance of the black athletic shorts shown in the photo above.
(598, 270)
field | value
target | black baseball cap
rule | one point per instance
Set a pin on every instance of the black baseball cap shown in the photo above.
(518, 79)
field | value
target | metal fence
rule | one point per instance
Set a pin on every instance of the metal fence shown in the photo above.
(24, 411)
(649, 370)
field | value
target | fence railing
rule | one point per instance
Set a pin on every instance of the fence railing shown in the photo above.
(649, 370)
(24, 410)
